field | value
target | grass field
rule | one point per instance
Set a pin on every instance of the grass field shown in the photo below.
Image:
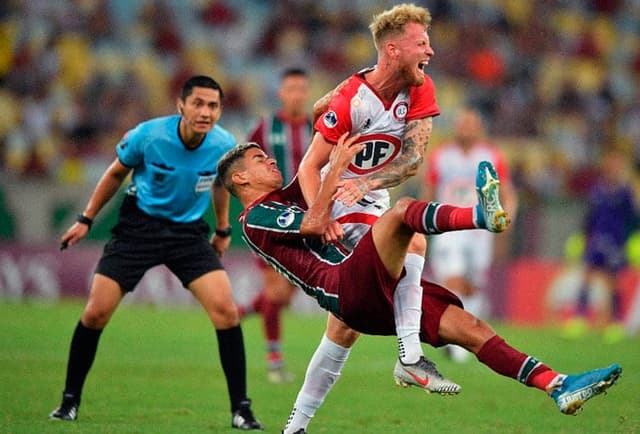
(157, 371)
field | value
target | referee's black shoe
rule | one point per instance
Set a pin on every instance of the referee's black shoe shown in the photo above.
(243, 418)
(68, 410)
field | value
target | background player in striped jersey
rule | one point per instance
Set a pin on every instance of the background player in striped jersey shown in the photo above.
(461, 261)
(284, 134)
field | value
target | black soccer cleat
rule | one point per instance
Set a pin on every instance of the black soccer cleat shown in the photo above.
(68, 410)
(243, 418)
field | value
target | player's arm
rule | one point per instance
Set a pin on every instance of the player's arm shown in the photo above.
(315, 158)
(220, 199)
(107, 186)
(317, 219)
(414, 144)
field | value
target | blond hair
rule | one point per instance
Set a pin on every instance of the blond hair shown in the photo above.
(391, 22)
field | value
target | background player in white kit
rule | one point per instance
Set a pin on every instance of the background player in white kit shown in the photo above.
(461, 260)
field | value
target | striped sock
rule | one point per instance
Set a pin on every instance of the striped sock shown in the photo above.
(436, 218)
(506, 360)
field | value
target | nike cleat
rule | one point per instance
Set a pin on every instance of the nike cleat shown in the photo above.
(571, 392)
(489, 212)
(424, 374)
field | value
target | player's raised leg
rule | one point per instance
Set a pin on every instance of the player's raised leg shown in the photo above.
(570, 392)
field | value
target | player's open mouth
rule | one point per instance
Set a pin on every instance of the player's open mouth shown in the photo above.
(423, 65)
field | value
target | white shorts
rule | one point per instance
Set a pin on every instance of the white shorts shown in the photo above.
(467, 253)
(358, 219)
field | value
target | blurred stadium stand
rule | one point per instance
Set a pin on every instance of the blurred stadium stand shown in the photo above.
(556, 81)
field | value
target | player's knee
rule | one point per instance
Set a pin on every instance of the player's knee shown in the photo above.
(398, 210)
(95, 319)
(225, 315)
(340, 334)
(402, 204)
(280, 293)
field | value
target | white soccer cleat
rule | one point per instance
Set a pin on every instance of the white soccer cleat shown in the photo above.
(424, 374)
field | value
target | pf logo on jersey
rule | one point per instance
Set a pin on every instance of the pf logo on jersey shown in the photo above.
(379, 150)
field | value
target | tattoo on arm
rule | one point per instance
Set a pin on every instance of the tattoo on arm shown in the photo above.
(414, 144)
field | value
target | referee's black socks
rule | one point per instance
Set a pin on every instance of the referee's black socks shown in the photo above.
(82, 352)
(234, 364)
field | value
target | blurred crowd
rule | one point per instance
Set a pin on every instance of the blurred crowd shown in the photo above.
(556, 80)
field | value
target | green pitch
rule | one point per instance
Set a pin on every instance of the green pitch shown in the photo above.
(157, 371)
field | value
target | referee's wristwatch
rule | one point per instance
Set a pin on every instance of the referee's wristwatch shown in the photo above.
(223, 233)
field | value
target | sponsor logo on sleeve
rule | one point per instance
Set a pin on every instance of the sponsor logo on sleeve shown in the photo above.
(285, 219)
(330, 119)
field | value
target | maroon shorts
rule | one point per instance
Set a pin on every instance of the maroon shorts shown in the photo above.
(366, 296)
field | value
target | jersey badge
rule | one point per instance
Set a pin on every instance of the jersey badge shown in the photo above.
(400, 111)
(330, 119)
(285, 219)
(204, 183)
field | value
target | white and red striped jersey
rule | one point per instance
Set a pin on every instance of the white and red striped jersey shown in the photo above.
(358, 109)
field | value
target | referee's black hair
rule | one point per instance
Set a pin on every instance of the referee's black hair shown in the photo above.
(200, 81)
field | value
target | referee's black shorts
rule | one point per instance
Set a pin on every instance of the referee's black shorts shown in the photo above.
(140, 242)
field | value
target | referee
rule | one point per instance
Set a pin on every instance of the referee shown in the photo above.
(173, 163)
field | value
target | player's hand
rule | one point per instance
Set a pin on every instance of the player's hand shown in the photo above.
(73, 235)
(350, 191)
(220, 244)
(334, 233)
(343, 152)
